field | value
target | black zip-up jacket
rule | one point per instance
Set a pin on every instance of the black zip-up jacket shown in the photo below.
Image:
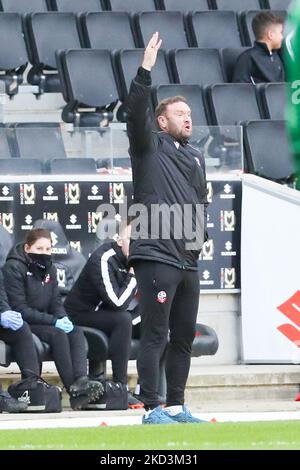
(162, 174)
(4, 306)
(35, 296)
(104, 282)
(258, 65)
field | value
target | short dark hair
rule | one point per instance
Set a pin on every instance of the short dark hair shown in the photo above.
(263, 21)
(161, 108)
(35, 234)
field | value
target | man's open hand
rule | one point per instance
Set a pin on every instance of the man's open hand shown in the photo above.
(151, 50)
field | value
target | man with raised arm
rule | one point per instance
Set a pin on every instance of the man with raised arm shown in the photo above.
(170, 186)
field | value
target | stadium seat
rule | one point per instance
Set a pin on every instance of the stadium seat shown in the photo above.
(131, 6)
(188, 5)
(194, 96)
(69, 166)
(91, 91)
(273, 161)
(77, 6)
(40, 140)
(128, 61)
(67, 260)
(24, 6)
(205, 65)
(236, 5)
(278, 4)
(30, 166)
(108, 30)
(246, 18)
(229, 57)
(232, 103)
(274, 98)
(43, 43)
(214, 29)
(6, 243)
(170, 24)
(13, 54)
(5, 151)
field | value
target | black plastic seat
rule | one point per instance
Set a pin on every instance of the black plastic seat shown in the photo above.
(170, 24)
(30, 166)
(214, 29)
(236, 5)
(40, 140)
(273, 161)
(232, 103)
(91, 89)
(229, 57)
(76, 166)
(194, 96)
(246, 18)
(129, 60)
(77, 6)
(205, 65)
(47, 33)
(108, 30)
(13, 54)
(24, 6)
(278, 4)
(274, 100)
(131, 6)
(5, 150)
(188, 5)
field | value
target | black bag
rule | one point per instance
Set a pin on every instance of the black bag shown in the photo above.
(38, 394)
(115, 397)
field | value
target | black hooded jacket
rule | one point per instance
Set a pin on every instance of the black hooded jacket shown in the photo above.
(258, 65)
(104, 281)
(4, 306)
(165, 172)
(32, 293)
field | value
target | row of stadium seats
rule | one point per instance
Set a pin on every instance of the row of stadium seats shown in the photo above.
(273, 162)
(31, 39)
(76, 6)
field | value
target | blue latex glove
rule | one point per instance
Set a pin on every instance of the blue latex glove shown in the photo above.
(64, 324)
(12, 320)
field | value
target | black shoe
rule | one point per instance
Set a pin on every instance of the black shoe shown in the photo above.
(87, 389)
(9, 404)
(161, 400)
(133, 402)
(77, 403)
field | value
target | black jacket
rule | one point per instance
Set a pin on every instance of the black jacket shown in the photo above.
(258, 65)
(36, 297)
(104, 281)
(4, 306)
(162, 174)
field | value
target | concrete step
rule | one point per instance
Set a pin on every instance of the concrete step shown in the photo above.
(230, 387)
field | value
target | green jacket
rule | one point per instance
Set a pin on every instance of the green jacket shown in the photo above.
(292, 66)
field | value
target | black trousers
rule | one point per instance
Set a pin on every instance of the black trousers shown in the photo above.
(117, 325)
(169, 300)
(68, 351)
(23, 349)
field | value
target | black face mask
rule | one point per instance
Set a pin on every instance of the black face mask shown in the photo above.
(41, 261)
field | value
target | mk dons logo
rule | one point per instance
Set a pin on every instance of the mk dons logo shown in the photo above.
(76, 245)
(61, 277)
(27, 193)
(228, 278)
(208, 249)
(72, 193)
(210, 192)
(228, 221)
(116, 193)
(93, 220)
(50, 216)
(7, 220)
